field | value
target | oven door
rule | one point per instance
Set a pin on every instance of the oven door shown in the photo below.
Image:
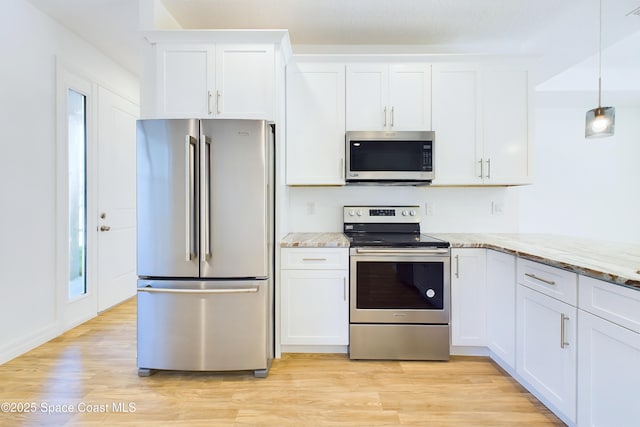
(394, 285)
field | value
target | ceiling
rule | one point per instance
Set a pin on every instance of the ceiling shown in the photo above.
(561, 33)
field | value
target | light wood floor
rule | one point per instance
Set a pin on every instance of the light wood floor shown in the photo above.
(94, 367)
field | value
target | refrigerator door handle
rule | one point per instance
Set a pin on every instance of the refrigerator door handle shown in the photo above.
(200, 291)
(190, 146)
(206, 184)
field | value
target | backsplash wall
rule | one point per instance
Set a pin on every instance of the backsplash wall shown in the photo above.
(451, 209)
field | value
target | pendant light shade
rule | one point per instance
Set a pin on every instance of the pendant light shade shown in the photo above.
(600, 122)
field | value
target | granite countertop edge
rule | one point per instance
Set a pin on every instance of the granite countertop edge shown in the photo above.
(569, 253)
(582, 256)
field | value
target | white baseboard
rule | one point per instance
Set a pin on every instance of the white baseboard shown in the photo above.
(21, 346)
(314, 349)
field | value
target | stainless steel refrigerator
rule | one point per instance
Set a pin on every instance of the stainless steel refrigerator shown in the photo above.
(205, 245)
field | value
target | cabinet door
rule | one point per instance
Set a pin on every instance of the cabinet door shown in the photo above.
(456, 122)
(315, 309)
(506, 126)
(245, 81)
(315, 124)
(185, 79)
(546, 348)
(468, 327)
(501, 306)
(367, 97)
(609, 378)
(410, 97)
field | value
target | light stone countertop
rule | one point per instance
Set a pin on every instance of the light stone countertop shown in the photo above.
(314, 240)
(610, 261)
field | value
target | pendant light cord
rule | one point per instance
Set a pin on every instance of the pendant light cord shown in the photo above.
(600, 59)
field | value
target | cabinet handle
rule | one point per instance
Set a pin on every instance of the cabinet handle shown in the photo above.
(488, 168)
(563, 343)
(314, 259)
(385, 116)
(342, 172)
(218, 101)
(392, 115)
(209, 102)
(533, 276)
(344, 288)
(481, 168)
(457, 266)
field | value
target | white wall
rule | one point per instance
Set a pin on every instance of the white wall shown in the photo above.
(586, 188)
(30, 44)
(452, 209)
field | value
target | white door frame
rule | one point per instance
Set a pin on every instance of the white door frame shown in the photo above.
(70, 313)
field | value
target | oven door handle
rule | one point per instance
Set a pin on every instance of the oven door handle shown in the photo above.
(404, 251)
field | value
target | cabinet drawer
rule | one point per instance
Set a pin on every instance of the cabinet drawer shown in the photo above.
(552, 281)
(612, 302)
(315, 258)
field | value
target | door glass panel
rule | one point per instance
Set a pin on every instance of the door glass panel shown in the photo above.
(400, 285)
(77, 139)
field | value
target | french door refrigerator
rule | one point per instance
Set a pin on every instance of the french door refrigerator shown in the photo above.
(205, 245)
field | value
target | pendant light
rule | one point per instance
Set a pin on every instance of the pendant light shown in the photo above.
(600, 121)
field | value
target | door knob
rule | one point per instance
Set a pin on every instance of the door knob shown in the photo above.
(105, 228)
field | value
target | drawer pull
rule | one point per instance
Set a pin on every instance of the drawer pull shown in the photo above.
(314, 259)
(563, 342)
(533, 276)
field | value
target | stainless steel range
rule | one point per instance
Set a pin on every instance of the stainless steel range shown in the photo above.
(400, 285)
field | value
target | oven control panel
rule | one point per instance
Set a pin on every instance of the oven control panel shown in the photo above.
(381, 214)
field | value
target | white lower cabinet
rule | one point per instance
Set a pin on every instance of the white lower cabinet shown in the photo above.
(501, 307)
(468, 297)
(314, 298)
(546, 350)
(608, 354)
(608, 372)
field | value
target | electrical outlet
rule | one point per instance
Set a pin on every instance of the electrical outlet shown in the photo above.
(497, 208)
(428, 208)
(311, 208)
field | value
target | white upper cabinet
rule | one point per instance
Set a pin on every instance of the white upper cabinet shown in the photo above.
(245, 81)
(215, 81)
(388, 97)
(481, 121)
(184, 74)
(315, 124)
(505, 112)
(456, 122)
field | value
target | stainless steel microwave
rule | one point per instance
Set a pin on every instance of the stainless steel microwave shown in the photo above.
(403, 157)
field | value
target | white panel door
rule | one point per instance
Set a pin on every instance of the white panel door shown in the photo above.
(456, 122)
(608, 374)
(315, 308)
(506, 126)
(315, 124)
(185, 79)
(116, 199)
(468, 303)
(546, 348)
(245, 81)
(367, 96)
(501, 306)
(410, 97)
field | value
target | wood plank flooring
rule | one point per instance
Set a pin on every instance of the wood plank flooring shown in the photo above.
(92, 371)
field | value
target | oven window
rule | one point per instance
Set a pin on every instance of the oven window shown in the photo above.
(399, 285)
(391, 156)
